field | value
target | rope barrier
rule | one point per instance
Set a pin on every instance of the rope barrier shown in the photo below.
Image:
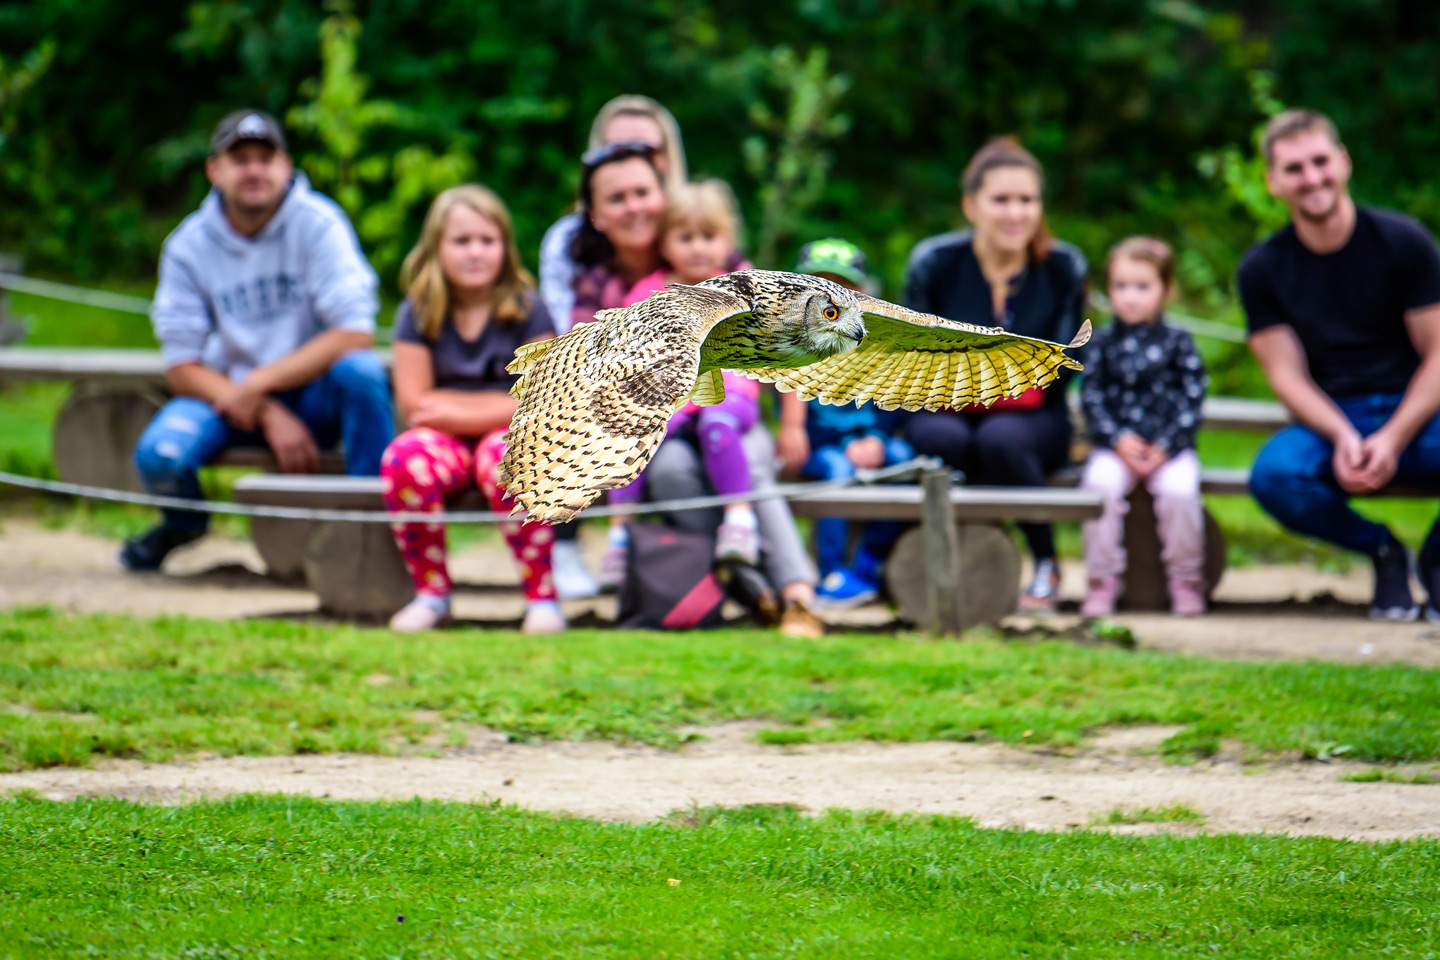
(64, 291)
(128, 304)
(862, 477)
(1213, 329)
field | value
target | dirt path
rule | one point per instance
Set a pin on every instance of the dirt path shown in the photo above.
(1282, 612)
(999, 786)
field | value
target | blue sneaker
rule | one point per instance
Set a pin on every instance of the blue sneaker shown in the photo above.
(843, 589)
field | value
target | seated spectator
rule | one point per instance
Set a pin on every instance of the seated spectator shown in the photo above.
(625, 119)
(841, 440)
(1343, 306)
(1144, 385)
(622, 201)
(1007, 271)
(698, 241)
(470, 304)
(677, 471)
(265, 312)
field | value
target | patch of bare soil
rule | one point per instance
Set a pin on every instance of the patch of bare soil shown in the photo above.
(998, 786)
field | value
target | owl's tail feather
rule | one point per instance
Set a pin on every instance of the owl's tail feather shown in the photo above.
(1082, 337)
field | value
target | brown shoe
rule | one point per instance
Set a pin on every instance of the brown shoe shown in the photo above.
(799, 620)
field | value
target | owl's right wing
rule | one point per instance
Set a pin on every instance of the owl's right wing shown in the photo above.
(920, 361)
(594, 403)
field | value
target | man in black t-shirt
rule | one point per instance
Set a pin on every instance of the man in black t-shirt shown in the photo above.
(1343, 307)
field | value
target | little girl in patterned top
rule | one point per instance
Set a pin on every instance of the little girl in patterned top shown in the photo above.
(470, 303)
(1144, 384)
(698, 243)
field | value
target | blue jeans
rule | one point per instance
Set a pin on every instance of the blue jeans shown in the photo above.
(1294, 481)
(832, 534)
(350, 404)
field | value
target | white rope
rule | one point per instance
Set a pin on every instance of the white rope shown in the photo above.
(128, 304)
(1213, 329)
(899, 471)
(104, 299)
(64, 291)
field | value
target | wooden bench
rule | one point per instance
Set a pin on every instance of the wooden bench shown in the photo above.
(115, 395)
(356, 570)
(984, 575)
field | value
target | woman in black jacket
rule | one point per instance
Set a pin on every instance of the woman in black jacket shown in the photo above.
(1006, 271)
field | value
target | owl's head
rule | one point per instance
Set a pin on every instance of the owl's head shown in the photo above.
(820, 320)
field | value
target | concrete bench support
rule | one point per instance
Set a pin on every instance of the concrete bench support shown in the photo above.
(97, 428)
(355, 569)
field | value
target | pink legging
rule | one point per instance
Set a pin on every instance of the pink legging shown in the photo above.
(1179, 514)
(419, 470)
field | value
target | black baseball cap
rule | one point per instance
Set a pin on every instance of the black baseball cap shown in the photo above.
(245, 125)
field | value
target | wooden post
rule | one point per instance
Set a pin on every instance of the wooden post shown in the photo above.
(11, 329)
(942, 556)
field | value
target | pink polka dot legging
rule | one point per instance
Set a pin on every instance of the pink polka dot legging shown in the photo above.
(419, 470)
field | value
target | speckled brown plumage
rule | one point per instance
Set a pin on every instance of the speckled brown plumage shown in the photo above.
(594, 403)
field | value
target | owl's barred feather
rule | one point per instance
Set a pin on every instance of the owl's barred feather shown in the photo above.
(595, 402)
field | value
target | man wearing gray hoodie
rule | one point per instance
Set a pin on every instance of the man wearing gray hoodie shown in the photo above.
(265, 312)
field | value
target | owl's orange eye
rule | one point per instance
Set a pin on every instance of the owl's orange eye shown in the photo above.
(830, 313)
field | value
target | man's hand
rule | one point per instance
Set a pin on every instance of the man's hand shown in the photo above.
(792, 446)
(1348, 462)
(290, 439)
(1381, 454)
(242, 406)
(866, 453)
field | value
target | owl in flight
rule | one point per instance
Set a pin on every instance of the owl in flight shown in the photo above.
(594, 403)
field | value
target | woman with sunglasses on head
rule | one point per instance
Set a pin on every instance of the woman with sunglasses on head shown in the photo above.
(623, 202)
(1006, 271)
(625, 119)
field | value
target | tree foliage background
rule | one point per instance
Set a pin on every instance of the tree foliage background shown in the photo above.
(828, 116)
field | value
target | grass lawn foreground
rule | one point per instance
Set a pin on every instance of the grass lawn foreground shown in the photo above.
(82, 687)
(275, 877)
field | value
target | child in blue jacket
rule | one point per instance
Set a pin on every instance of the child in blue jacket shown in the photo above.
(843, 439)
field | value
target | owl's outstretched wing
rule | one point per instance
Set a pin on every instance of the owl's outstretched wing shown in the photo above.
(594, 402)
(919, 361)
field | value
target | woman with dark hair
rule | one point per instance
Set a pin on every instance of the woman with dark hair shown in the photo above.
(629, 118)
(1005, 271)
(622, 203)
(622, 207)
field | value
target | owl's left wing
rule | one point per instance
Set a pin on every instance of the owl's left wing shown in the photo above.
(594, 403)
(919, 361)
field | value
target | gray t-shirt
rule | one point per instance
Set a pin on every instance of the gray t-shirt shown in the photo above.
(477, 364)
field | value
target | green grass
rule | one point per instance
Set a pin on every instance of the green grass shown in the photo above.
(1175, 813)
(96, 686)
(55, 323)
(1389, 775)
(275, 877)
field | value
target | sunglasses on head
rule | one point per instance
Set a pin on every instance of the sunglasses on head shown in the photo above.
(622, 150)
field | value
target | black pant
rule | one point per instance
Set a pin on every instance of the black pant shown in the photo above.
(1008, 448)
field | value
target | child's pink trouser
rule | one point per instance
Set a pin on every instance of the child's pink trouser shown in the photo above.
(421, 468)
(1179, 516)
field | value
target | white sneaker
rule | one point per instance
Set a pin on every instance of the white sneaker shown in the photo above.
(544, 616)
(423, 613)
(572, 579)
